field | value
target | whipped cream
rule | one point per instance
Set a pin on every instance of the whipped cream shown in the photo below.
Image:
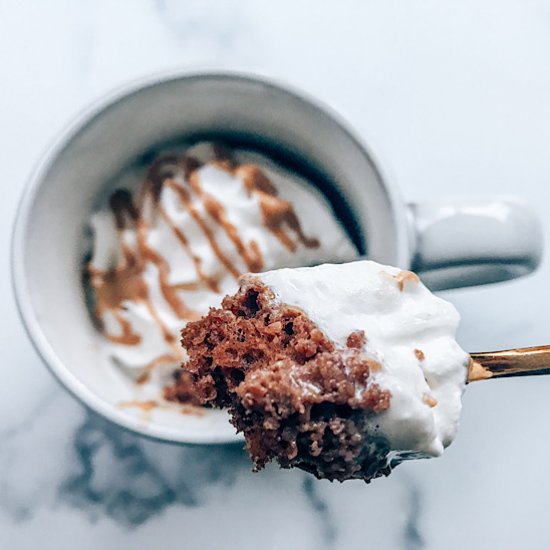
(409, 332)
(167, 252)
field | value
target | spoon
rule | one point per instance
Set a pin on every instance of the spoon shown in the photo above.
(512, 362)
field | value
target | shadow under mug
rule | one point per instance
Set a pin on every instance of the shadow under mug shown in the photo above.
(451, 243)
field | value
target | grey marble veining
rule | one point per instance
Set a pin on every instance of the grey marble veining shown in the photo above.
(455, 97)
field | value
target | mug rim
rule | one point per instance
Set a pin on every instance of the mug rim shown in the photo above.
(64, 137)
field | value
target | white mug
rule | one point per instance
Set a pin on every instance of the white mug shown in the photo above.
(450, 243)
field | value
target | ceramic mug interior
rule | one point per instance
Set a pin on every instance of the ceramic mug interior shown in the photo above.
(50, 243)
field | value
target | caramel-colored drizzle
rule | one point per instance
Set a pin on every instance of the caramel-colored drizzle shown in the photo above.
(146, 407)
(251, 255)
(125, 282)
(429, 400)
(149, 405)
(211, 282)
(111, 289)
(277, 213)
(404, 277)
(187, 201)
(162, 359)
(170, 294)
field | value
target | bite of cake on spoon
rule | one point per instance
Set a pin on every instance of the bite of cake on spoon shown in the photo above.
(341, 370)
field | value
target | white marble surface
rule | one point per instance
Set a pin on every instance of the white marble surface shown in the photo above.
(456, 97)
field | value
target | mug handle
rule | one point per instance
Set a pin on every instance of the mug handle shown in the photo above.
(472, 241)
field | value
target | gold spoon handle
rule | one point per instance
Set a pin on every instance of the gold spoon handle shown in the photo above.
(512, 362)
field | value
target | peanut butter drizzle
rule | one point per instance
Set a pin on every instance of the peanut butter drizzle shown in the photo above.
(187, 201)
(125, 282)
(167, 168)
(211, 282)
(127, 253)
(149, 405)
(253, 257)
(277, 213)
(145, 406)
(160, 360)
(404, 277)
(128, 336)
(170, 294)
(111, 289)
(192, 410)
(429, 400)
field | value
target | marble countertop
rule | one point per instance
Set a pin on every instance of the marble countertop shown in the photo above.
(455, 96)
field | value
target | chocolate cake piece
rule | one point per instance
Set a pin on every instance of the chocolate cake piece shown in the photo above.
(343, 370)
(296, 396)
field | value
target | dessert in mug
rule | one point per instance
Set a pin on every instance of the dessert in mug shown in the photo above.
(166, 252)
(341, 370)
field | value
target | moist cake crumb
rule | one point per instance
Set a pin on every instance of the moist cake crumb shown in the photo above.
(295, 396)
(356, 339)
(182, 389)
